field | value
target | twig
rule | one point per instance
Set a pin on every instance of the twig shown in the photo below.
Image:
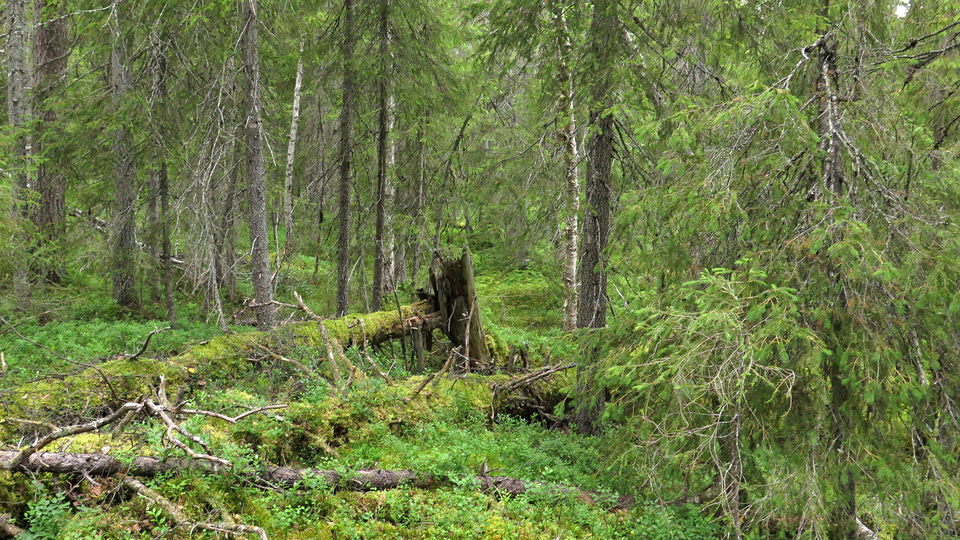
(146, 343)
(366, 352)
(182, 520)
(68, 431)
(282, 358)
(330, 356)
(173, 428)
(446, 365)
(232, 419)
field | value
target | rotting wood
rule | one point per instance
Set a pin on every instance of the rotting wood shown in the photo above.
(455, 296)
(98, 464)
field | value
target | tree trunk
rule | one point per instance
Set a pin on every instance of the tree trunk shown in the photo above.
(160, 220)
(382, 271)
(568, 137)
(346, 143)
(592, 308)
(166, 255)
(51, 52)
(291, 153)
(16, 117)
(125, 176)
(256, 189)
(419, 203)
(227, 232)
(97, 464)
(843, 514)
(456, 300)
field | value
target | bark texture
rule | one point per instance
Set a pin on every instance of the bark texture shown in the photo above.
(256, 189)
(16, 116)
(291, 155)
(97, 464)
(592, 309)
(51, 52)
(346, 150)
(383, 246)
(568, 139)
(125, 176)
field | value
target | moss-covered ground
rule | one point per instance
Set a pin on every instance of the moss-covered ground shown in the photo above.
(445, 431)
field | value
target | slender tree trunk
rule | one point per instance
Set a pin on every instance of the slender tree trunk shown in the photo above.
(228, 259)
(383, 251)
(51, 52)
(419, 203)
(166, 256)
(346, 142)
(16, 117)
(843, 515)
(592, 305)
(592, 308)
(161, 220)
(568, 137)
(226, 233)
(125, 176)
(256, 189)
(291, 154)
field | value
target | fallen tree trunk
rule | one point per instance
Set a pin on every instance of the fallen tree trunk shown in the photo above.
(90, 392)
(97, 464)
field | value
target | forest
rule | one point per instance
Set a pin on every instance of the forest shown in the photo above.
(656, 269)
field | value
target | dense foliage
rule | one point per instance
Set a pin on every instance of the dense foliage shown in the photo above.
(753, 202)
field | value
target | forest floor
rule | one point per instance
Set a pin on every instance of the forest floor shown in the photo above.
(445, 432)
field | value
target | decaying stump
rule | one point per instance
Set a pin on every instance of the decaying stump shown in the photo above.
(455, 299)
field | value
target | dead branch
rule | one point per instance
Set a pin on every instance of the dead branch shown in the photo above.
(146, 343)
(426, 381)
(276, 356)
(232, 419)
(334, 367)
(68, 431)
(182, 520)
(173, 428)
(530, 378)
(369, 357)
(8, 528)
(303, 307)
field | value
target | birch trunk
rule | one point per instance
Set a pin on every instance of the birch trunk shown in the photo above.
(291, 154)
(568, 138)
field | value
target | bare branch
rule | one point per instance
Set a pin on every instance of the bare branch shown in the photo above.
(68, 431)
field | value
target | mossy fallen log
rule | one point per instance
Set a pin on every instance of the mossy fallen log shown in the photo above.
(88, 392)
(99, 464)
(83, 393)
